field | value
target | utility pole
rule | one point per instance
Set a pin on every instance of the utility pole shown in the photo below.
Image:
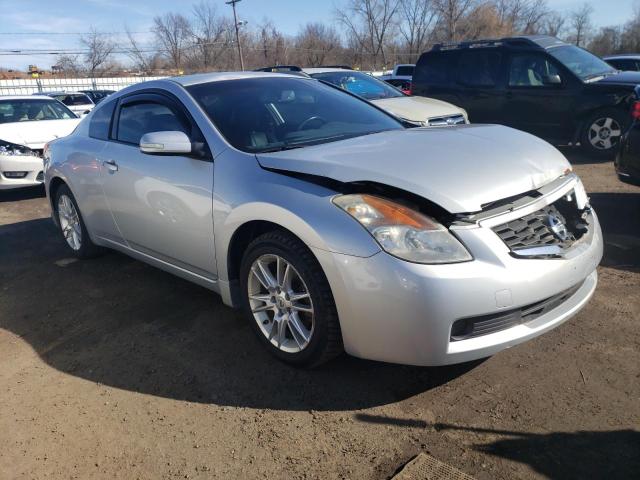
(235, 21)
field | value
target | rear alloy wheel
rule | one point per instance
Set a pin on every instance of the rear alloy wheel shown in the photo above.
(72, 226)
(602, 133)
(288, 301)
(69, 222)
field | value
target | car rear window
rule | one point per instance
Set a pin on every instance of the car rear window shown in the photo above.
(405, 71)
(74, 99)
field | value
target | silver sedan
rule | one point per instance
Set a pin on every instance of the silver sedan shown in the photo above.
(332, 225)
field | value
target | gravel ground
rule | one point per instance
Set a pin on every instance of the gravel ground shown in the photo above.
(112, 369)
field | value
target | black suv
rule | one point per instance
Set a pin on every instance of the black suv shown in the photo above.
(538, 84)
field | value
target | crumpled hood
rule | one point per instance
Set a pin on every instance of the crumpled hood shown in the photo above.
(417, 109)
(459, 168)
(35, 134)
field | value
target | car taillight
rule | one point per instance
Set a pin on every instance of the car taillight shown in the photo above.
(635, 110)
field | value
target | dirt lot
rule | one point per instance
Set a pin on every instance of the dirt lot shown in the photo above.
(112, 369)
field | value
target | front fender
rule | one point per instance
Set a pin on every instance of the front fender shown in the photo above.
(244, 192)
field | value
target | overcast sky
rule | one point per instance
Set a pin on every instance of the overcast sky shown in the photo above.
(56, 16)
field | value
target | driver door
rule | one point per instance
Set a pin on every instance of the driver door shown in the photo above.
(534, 103)
(162, 204)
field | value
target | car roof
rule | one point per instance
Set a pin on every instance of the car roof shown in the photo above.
(313, 70)
(535, 41)
(38, 96)
(198, 78)
(621, 56)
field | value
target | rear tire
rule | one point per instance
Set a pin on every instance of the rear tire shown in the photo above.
(72, 226)
(602, 132)
(287, 299)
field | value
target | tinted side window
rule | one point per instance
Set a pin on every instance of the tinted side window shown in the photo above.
(435, 69)
(136, 119)
(530, 70)
(101, 121)
(479, 68)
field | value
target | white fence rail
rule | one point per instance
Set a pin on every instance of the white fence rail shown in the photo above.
(30, 86)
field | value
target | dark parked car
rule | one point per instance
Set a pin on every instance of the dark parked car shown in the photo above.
(626, 63)
(538, 84)
(402, 85)
(627, 161)
(288, 69)
(97, 95)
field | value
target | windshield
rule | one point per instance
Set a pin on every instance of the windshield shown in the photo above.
(12, 111)
(360, 84)
(268, 114)
(581, 62)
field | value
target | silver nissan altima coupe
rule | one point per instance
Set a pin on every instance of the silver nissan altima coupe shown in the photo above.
(327, 221)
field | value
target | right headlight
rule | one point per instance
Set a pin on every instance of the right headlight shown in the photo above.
(403, 232)
(13, 149)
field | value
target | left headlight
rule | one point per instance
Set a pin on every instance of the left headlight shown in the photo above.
(8, 148)
(403, 232)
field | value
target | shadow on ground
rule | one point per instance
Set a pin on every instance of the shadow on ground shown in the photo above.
(619, 215)
(121, 323)
(566, 455)
(15, 195)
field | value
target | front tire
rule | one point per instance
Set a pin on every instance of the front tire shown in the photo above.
(602, 132)
(288, 301)
(72, 226)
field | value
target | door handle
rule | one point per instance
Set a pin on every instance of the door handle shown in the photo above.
(509, 94)
(110, 165)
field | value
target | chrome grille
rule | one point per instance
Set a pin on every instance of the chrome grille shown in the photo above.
(449, 120)
(547, 231)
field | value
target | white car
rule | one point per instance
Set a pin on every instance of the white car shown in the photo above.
(421, 111)
(78, 102)
(400, 72)
(27, 123)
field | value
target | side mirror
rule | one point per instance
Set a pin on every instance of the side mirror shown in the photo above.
(552, 80)
(166, 143)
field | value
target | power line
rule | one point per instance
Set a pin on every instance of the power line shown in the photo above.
(74, 33)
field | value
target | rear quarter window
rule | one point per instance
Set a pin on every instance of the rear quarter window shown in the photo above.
(100, 122)
(435, 69)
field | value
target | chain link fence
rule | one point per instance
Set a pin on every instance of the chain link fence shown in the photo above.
(29, 86)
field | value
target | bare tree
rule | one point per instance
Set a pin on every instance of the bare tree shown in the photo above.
(172, 31)
(451, 13)
(315, 43)
(607, 41)
(272, 46)
(369, 23)
(581, 23)
(211, 35)
(554, 24)
(68, 64)
(416, 19)
(141, 59)
(99, 50)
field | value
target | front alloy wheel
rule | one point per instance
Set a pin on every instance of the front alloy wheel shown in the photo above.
(281, 303)
(288, 301)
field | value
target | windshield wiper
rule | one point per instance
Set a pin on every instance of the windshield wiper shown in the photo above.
(280, 148)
